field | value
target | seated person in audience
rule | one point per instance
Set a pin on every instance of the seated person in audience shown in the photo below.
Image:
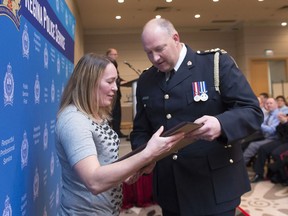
(279, 168)
(262, 101)
(282, 104)
(272, 149)
(268, 128)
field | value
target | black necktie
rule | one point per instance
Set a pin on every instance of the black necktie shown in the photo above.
(171, 74)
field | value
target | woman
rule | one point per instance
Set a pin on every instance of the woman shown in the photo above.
(87, 146)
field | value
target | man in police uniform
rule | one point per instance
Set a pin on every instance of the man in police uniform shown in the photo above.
(207, 177)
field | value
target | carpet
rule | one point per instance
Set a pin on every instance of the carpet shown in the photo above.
(266, 199)
(155, 210)
(241, 212)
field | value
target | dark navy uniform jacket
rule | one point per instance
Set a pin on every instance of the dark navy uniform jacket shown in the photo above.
(204, 177)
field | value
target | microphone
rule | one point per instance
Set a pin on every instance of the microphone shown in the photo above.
(127, 63)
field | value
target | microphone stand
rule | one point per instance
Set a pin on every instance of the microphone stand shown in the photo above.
(134, 85)
(130, 66)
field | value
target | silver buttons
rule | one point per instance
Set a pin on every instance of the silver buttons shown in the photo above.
(166, 96)
(175, 157)
(168, 116)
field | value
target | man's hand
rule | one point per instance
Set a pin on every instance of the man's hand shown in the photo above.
(210, 130)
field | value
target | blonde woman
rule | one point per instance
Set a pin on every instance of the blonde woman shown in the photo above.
(87, 146)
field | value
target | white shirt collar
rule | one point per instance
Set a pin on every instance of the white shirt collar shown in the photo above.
(182, 55)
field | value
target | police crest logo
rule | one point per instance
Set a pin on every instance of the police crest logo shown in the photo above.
(10, 8)
(25, 42)
(37, 90)
(8, 86)
(24, 151)
(7, 211)
(46, 57)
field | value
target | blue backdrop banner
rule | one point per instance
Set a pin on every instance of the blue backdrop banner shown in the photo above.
(36, 59)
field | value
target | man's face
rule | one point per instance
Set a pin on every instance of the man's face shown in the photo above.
(161, 48)
(271, 104)
(113, 54)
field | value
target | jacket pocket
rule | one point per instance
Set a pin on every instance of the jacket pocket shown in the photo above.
(229, 174)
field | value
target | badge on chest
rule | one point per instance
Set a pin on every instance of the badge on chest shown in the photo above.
(199, 91)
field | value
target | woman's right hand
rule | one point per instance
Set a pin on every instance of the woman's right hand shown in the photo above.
(158, 145)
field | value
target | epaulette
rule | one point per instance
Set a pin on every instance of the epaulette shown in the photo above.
(221, 51)
(216, 52)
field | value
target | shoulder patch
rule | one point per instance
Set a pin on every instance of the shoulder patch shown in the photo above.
(211, 51)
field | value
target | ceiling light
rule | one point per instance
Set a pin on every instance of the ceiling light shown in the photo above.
(158, 16)
(120, 1)
(118, 17)
(197, 16)
(260, 0)
(284, 24)
(268, 52)
(169, 1)
(215, 0)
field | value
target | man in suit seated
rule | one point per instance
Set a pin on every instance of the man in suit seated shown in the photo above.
(268, 128)
(274, 150)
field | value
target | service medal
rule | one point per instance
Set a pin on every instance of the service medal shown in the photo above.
(203, 91)
(197, 98)
(204, 97)
(195, 88)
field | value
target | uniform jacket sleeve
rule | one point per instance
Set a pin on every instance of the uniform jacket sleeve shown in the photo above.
(243, 115)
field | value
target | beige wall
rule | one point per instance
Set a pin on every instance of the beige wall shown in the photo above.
(257, 39)
(243, 44)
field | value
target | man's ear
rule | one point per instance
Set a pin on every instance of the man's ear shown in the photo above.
(176, 37)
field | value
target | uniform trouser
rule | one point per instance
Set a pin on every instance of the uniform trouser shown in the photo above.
(264, 154)
(252, 149)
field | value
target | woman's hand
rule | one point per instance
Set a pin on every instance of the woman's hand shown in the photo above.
(158, 145)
